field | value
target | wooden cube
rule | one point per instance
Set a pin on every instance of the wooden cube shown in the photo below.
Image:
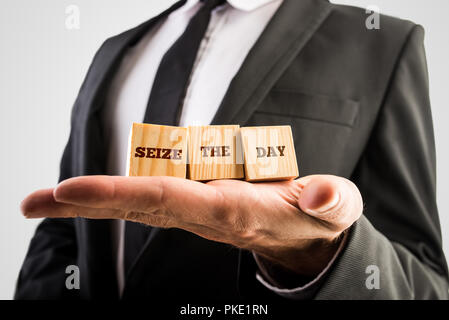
(156, 150)
(215, 153)
(269, 153)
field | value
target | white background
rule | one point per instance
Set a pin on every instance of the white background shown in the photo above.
(42, 65)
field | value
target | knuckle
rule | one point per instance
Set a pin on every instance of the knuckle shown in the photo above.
(235, 225)
(133, 216)
(241, 228)
(225, 219)
(245, 237)
(222, 213)
(235, 222)
(148, 219)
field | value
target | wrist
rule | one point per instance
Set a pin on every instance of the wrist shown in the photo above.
(306, 259)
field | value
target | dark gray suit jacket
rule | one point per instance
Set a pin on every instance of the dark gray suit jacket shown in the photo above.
(357, 101)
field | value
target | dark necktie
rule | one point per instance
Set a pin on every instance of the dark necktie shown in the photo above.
(166, 99)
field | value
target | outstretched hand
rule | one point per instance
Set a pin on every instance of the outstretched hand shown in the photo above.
(295, 224)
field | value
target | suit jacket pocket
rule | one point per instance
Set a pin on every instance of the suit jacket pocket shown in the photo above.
(321, 126)
(310, 107)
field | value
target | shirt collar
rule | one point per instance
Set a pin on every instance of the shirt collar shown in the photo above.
(244, 5)
(248, 5)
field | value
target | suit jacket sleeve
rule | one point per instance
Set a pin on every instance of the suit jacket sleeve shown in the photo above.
(394, 251)
(399, 234)
(52, 248)
(54, 244)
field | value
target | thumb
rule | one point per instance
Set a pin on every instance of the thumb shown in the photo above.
(332, 199)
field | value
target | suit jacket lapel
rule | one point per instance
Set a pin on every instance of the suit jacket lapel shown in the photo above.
(89, 155)
(286, 34)
(91, 98)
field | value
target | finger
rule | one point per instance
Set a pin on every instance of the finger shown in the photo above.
(177, 198)
(42, 204)
(334, 200)
(36, 201)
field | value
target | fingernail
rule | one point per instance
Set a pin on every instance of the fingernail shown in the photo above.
(332, 203)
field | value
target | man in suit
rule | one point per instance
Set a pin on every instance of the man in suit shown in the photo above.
(357, 101)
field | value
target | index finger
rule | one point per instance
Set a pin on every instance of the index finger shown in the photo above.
(176, 197)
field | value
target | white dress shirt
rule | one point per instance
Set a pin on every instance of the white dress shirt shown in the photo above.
(233, 30)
